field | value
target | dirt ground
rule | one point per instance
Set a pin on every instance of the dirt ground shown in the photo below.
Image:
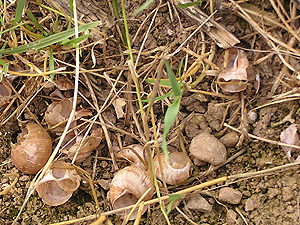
(270, 199)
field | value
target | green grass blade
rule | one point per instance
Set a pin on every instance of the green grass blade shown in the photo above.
(56, 23)
(186, 5)
(165, 83)
(169, 119)
(172, 199)
(12, 28)
(116, 7)
(173, 81)
(19, 11)
(51, 63)
(35, 22)
(2, 21)
(179, 70)
(144, 6)
(50, 40)
(75, 41)
(160, 97)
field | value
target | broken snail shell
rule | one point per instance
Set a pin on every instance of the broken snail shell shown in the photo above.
(58, 184)
(127, 186)
(58, 111)
(175, 171)
(233, 76)
(130, 153)
(290, 136)
(89, 144)
(32, 150)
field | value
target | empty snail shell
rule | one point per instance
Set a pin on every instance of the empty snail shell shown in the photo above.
(59, 111)
(127, 186)
(233, 76)
(130, 153)
(32, 150)
(89, 144)
(58, 184)
(175, 171)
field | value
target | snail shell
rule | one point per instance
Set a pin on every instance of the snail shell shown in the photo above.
(90, 143)
(175, 171)
(233, 64)
(127, 186)
(32, 150)
(58, 111)
(129, 154)
(58, 184)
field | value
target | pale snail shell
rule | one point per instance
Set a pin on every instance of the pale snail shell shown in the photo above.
(128, 154)
(175, 171)
(32, 150)
(233, 64)
(58, 184)
(127, 186)
(58, 111)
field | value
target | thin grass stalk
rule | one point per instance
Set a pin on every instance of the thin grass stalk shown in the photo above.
(39, 176)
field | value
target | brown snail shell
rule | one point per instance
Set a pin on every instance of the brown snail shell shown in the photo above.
(233, 76)
(58, 184)
(32, 150)
(128, 154)
(175, 171)
(127, 186)
(90, 143)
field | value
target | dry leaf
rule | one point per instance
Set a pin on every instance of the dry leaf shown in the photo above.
(119, 103)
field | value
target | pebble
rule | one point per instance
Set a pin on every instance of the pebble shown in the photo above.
(24, 178)
(208, 148)
(197, 202)
(230, 139)
(229, 195)
(231, 217)
(105, 184)
(287, 194)
(249, 205)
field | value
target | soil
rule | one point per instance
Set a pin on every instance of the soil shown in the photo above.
(272, 199)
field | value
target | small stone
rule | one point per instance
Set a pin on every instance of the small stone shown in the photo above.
(231, 217)
(230, 195)
(249, 205)
(105, 184)
(272, 192)
(104, 164)
(208, 148)
(24, 178)
(230, 139)
(214, 115)
(197, 202)
(290, 209)
(287, 194)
